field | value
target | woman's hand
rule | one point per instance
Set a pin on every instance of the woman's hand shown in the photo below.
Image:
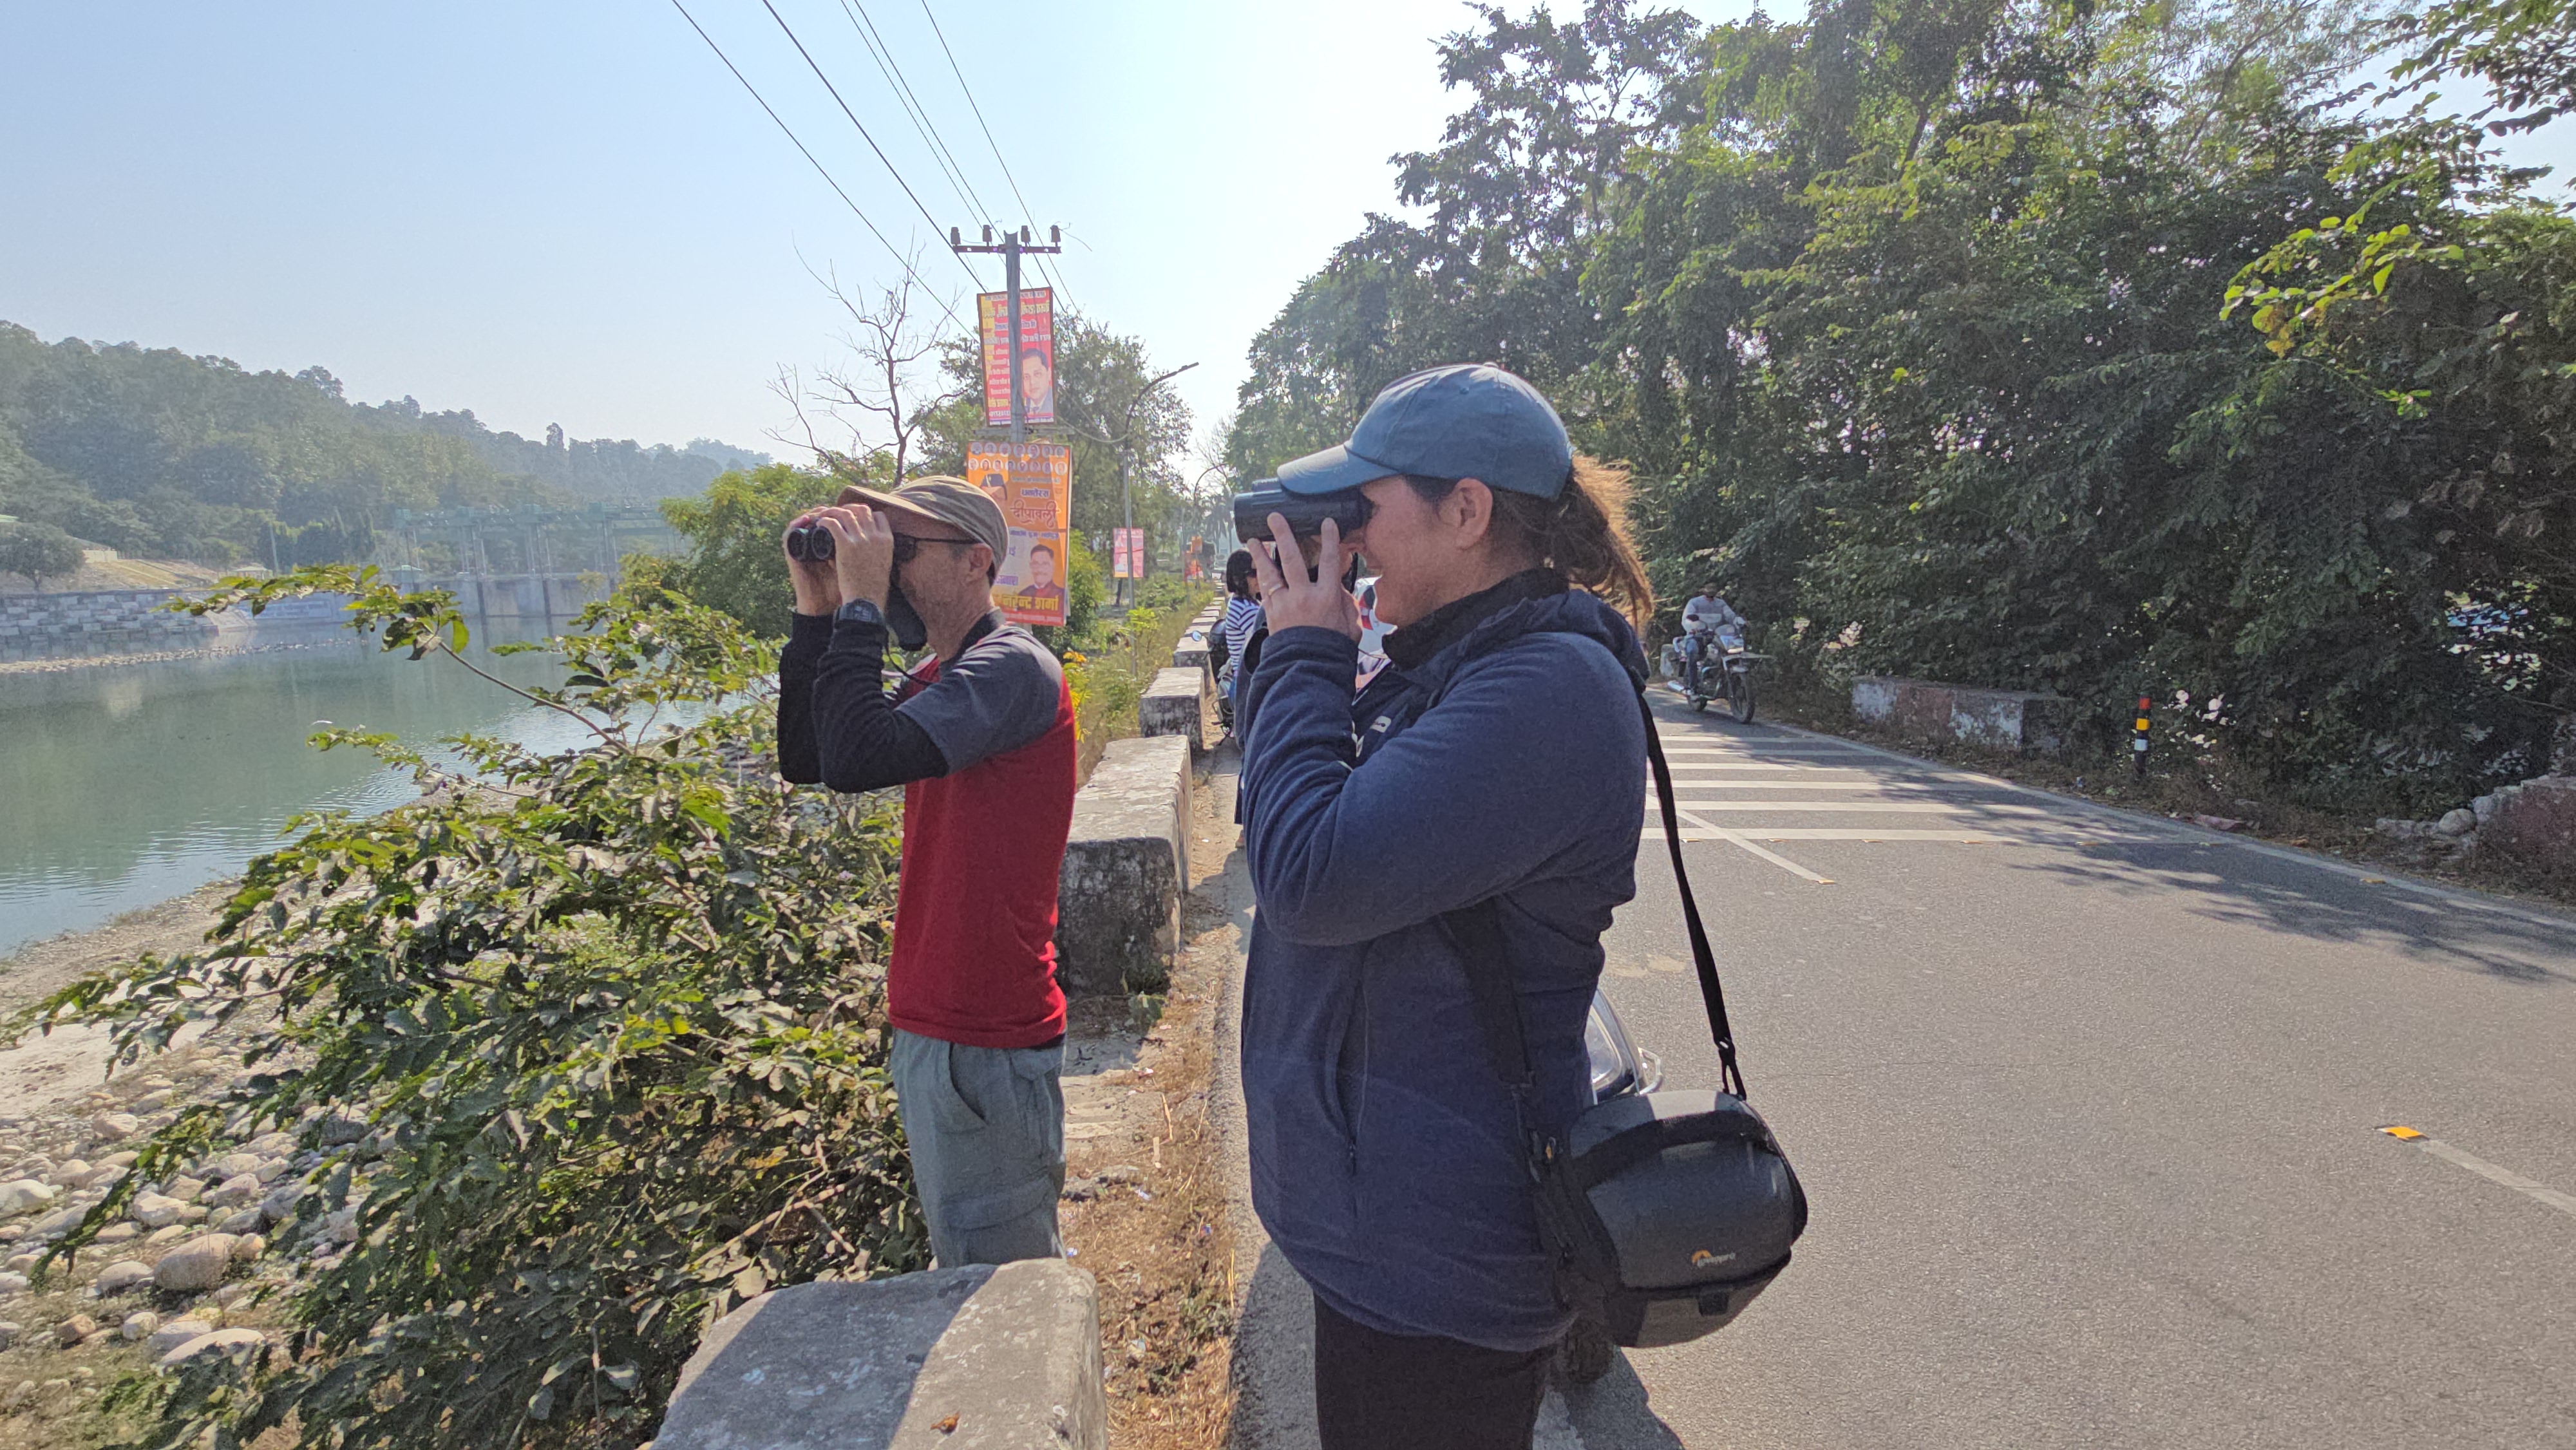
(818, 589)
(1291, 597)
(863, 551)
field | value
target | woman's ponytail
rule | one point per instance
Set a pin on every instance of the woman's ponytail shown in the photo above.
(1582, 534)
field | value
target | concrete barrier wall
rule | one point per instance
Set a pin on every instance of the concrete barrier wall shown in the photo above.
(2000, 719)
(977, 1358)
(1126, 863)
(1181, 701)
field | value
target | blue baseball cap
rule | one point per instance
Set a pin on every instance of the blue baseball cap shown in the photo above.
(1467, 420)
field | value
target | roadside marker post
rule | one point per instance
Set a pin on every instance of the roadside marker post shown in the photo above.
(2138, 742)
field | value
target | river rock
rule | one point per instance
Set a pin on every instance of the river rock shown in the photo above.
(9, 1332)
(340, 1129)
(170, 1235)
(118, 1160)
(271, 1145)
(34, 1165)
(193, 1213)
(122, 1275)
(243, 1221)
(25, 1392)
(2457, 823)
(240, 1188)
(74, 1174)
(220, 1341)
(136, 1326)
(184, 1189)
(279, 1205)
(232, 1165)
(117, 1233)
(21, 1263)
(13, 1283)
(342, 1226)
(231, 1294)
(62, 1221)
(115, 1127)
(75, 1329)
(200, 1263)
(23, 1196)
(153, 1210)
(178, 1332)
(247, 1247)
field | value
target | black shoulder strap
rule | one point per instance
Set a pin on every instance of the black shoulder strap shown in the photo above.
(1712, 995)
(1478, 931)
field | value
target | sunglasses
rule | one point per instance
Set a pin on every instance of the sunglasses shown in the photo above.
(907, 547)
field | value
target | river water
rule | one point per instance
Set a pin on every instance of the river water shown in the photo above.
(126, 785)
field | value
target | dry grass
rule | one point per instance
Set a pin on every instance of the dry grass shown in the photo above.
(1160, 1247)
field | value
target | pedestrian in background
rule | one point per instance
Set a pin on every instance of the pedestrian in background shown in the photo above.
(1234, 631)
(981, 738)
(1499, 758)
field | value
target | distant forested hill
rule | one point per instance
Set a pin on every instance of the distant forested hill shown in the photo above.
(156, 453)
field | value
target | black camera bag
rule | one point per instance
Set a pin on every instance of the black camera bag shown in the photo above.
(1665, 1212)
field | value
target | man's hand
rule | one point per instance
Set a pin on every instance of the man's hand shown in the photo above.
(1291, 597)
(818, 589)
(863, 551)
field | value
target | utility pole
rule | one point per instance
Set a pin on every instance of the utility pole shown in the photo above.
(1014, 245)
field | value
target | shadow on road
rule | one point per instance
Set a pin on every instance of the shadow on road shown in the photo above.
(2247, 888)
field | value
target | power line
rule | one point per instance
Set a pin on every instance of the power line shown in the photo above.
(899, 259)
(882, 53)
(1027, 214)
(863, 131)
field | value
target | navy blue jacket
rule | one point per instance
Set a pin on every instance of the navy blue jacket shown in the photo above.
(1510, 765)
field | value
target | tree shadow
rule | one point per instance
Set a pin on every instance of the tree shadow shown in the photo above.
(2240, 887)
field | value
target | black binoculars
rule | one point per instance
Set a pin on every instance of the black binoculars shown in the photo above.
(811, 543)
(1349, 510)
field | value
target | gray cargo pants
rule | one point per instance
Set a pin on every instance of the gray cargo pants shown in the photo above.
(986, 1126)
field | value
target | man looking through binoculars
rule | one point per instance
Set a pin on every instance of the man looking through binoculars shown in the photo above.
(980, 736)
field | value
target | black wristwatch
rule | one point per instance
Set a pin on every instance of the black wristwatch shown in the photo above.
(860, 611)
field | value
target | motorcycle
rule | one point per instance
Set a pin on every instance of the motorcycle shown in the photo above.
(1706, 664)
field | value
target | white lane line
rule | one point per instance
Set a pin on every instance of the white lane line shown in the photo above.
(1721, 833)
(2069, 837)
(1898, 808)
(2563, 1202)
(1883, 787)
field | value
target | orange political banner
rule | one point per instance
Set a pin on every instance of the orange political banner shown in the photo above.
(1033, 484)
(1037, 355)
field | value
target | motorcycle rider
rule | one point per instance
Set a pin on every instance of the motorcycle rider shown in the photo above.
(1706, 615)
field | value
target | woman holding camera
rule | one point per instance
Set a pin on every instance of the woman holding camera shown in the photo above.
(1499, 764)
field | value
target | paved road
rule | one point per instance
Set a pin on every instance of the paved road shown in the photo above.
(2088, 1108)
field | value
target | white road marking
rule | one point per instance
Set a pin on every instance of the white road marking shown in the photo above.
(1898, 808)
(1882, 786)
(2563, 1202)
(1721, 833)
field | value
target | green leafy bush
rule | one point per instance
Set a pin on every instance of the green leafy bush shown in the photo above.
(613, 1020)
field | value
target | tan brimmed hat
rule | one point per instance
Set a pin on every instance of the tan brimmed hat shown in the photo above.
(943, 503)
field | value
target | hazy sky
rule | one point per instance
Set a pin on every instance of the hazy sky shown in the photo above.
(568, 212)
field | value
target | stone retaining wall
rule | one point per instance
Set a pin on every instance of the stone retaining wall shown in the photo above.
(2003, 719)
(104, 622)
